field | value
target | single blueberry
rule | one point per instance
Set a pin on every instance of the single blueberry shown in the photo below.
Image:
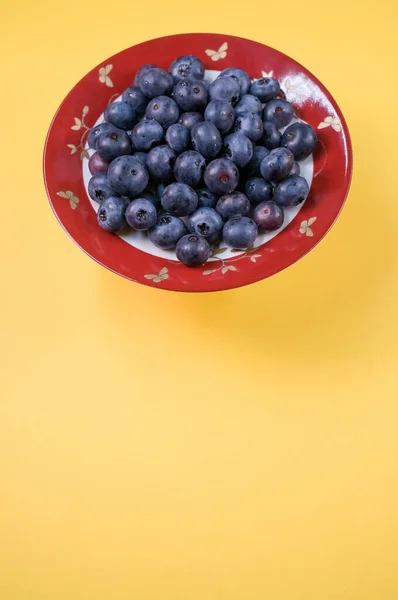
(189, 168)
(167, 231)
(268, 216)
(141, 214)
(121, 115)
(265, 89)
(292, 191)
(301, 139)
(207, 222)
(155, 82)
(160, 189)
(272, 137)
(250, 124)
(232, 205)
(221, 114)
(189, 119)
(99, 188)
(253, 167)
(248, 103)
(190, 94)
(193, 250)
(280, 112)
(206, 198)
(206, 139)
(146, 134)
(110, 214)
(164, 110)
(221, 176)
(136, 98)
(240, 232)
(160, 163)
(238, 148)
(97, 165)
(242, 77)
(187, 67)
(225, 89)
(258, 190)
(179, 199)
(95, 132)
(141, 71)
(128, 176)
(178, 138)
(113, 143)
(277, 165)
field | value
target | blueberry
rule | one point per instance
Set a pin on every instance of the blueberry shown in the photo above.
(150, 196)
(221, 176)
(277, 165)
(240, 232)
(189, 168)
(292, 191)
(167, 231)
(96, 131)
(250, 124)
(179, 199)
(248, 103)
(141, 214)
(206, 198)
(136, 98)
(206, 139)
(272, 137)
(128, 176)
(242, 77)
(141, 156)
(155, 82)
(112, 143)
(141, 72)
(97, 165)
(193, 250)
(238, 148)
(190, 94)
(164, 110)
(160, 163)
(265, 89)
(225, 89)
(110, 214)
(221, 114)
(278, 111)
(253, 167)
(301, 139)
(206, 222)
(178, 138)
(258, 190)
(99, 188)
(268, 216)
(189, 119)
(146, 134)
(121, 115)
(160, 189)
(232, 205)
(187, 67)
(296, 169)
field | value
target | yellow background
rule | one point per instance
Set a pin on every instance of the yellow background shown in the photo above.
(231, 446)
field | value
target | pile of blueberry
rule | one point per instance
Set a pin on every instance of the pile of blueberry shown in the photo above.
(193, 163)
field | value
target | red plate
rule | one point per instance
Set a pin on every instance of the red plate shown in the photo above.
(65, 151)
